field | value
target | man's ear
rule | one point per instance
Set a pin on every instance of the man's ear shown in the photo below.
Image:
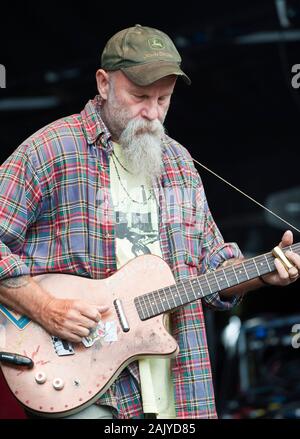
(102, 79)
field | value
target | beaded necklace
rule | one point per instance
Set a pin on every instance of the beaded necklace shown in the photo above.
(124, 188)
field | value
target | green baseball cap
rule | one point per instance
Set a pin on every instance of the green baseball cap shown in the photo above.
(143, 54)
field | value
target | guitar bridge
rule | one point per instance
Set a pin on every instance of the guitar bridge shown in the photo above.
(62, 347)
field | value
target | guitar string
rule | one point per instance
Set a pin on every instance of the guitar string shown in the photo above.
(189, 290)
(252, 270)
(186, 288)
(245, 195)
(230, 273)
(129, 303)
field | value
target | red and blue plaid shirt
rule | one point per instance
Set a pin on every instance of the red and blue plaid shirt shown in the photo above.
(56, 215)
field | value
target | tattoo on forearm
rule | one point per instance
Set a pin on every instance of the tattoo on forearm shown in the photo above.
(15, 282)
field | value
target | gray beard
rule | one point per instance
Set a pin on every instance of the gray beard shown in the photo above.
(140, 139)
(142, 148)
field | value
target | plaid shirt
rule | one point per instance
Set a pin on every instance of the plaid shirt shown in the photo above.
(57, 216)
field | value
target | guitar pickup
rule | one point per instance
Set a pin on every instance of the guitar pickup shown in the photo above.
(62, 347)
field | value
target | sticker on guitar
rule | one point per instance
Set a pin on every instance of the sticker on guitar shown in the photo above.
(20, 321)
(106, 332)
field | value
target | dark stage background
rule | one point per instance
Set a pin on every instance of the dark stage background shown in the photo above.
(240, 117)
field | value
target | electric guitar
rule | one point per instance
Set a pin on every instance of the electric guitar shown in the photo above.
(65, 377)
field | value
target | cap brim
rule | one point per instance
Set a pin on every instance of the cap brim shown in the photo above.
(146, 74)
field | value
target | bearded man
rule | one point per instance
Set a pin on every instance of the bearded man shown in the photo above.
(89, 192)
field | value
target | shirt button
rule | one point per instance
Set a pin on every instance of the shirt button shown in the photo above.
(108, 270)
(107, 235)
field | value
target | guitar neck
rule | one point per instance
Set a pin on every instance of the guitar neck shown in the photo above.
(167, 299)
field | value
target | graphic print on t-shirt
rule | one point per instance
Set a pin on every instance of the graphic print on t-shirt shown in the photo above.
(137, 225)
(136, 213)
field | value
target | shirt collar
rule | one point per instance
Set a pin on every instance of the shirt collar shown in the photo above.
(95, 130)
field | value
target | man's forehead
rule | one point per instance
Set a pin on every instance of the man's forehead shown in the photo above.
(122, 80)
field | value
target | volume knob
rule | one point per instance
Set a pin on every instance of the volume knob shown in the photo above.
(40, 378)
(58, 383)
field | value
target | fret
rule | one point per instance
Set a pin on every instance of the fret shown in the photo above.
(226, 278)
(240, 270)
(235, 273)
(196, 284)
(196, 288)
(212, 280)
(219, 288)
(168, 298)
(139, 308)
(163, 298)
(267, 262)
(149, 300)
(165, 302)
(205, 280)
(185, 292)
(221, 280)
(145, 308)
(197, 292)
(250, 267)
(155, 301)
(178, 295)
(161, 301)
(261, 266)
(256, 266)
(243, 264)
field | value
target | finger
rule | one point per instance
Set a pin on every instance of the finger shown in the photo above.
(90, 311)
(293, 272)
(103, 309)
(294, 258)
(82, 331)
(68, 335)
(86, 322)
(287, 239)
(95, 314)
(74, 338)
(283, 274)
(77, 330)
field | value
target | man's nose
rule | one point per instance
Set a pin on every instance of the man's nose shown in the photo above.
(151, 111)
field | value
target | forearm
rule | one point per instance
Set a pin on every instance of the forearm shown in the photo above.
(24, 295)
(70, 319)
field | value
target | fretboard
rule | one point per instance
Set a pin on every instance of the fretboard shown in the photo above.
(187, 291)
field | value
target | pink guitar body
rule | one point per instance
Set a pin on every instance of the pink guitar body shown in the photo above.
(88, 373)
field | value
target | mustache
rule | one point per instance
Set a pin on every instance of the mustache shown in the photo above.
(140, 126)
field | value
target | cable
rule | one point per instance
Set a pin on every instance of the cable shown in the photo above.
(247, 196)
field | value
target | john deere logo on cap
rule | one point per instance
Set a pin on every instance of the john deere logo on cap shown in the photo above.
(156, 43)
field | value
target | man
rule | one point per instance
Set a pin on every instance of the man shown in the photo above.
(91, 191)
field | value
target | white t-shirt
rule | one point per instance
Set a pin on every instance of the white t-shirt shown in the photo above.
(137, 233)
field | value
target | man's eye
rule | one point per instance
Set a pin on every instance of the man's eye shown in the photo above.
(163, 99)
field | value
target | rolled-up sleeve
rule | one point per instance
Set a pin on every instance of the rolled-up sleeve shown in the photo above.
(20, 197)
